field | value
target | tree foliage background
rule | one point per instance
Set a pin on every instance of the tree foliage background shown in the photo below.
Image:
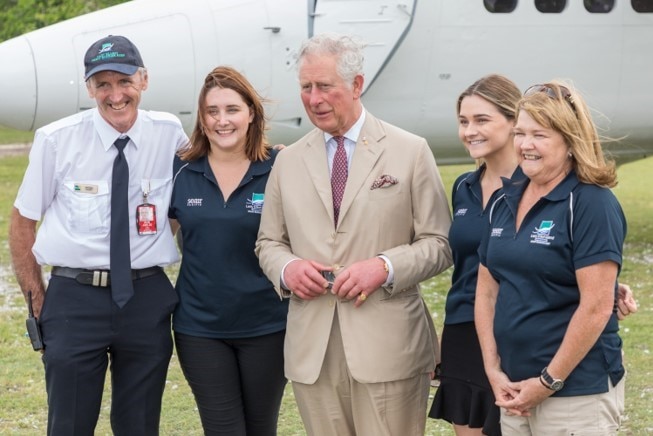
(20, 16)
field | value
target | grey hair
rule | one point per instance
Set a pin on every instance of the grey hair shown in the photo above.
(141, 70)
(349, 53)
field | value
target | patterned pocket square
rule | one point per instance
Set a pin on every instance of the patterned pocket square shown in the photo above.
(384, 181)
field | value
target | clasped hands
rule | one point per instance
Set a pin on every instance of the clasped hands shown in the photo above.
(356, 282)
(517, 398)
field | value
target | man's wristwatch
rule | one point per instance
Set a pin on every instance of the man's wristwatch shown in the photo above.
(549, 382)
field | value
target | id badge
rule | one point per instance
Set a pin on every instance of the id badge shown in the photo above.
(146, 219)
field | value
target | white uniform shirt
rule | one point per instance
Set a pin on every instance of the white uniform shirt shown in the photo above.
(68, 184)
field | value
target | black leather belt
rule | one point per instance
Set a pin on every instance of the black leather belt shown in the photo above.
(100, 278)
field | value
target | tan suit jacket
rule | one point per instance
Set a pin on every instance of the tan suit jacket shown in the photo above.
(391, 336)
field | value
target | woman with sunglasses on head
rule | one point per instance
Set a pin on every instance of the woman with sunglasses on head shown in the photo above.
(546, 312)
(486, 118)
(229, 326)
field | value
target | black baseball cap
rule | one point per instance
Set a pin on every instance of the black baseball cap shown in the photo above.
(112, 53)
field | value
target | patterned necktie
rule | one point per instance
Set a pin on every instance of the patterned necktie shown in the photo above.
(122, 287)
(339, 174)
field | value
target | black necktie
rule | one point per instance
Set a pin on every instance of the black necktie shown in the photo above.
(122, 287)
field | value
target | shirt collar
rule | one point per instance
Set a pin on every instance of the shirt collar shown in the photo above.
(475, 176)
(515, 186)
(108, 134)
(257, 168)
(564, 188)
(261, 167)
(353, 133)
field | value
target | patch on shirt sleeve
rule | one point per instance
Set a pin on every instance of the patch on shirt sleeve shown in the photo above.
(255, 204)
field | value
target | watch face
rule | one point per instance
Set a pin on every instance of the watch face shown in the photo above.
(557, 385)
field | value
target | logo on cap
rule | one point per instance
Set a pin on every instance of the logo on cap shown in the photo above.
(106, 53)
(106, 47)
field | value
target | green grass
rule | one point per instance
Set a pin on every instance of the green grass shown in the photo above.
(11, 136)
(22, 389)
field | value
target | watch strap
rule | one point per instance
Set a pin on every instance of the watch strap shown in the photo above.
(544, 383)
(549, 382)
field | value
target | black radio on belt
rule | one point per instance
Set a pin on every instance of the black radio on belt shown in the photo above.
(33, 327)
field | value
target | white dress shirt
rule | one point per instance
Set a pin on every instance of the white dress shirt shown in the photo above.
(67, 185)
(351, 137)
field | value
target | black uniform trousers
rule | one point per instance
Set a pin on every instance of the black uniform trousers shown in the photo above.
(84, 331)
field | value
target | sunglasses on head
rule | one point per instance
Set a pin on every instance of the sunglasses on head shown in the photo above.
(551, 92)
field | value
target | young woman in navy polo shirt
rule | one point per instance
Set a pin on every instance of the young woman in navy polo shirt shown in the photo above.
(547, 285)
(229, 325)
(486, 116)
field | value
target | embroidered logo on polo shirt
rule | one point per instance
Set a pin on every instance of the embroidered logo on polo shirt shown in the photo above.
(461, 212)
(193, 202)
(255, 204)
(542, 235)
(496, 232)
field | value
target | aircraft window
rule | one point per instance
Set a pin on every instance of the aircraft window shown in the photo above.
(500, 6)
(549, 6)
(599, 6)
(642, 5)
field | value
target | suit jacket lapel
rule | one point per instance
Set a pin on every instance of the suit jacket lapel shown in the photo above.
(317, 166)
(366, 154)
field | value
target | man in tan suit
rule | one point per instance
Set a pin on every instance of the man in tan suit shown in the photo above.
(359, 349)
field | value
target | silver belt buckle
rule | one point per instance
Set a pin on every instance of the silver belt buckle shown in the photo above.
(100, 278)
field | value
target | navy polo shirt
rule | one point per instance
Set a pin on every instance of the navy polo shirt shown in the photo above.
(574, 226)
(222, 291)
(467, 227)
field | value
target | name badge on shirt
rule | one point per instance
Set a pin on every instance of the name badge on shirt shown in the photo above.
(85, 188)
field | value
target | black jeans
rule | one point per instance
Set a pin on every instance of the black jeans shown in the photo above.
(238, 384)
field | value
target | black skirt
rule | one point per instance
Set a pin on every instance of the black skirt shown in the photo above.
(464, 396)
